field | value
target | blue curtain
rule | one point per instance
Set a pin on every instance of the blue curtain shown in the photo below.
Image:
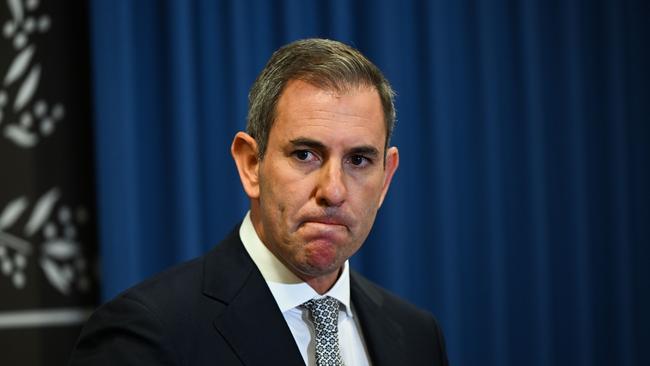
(520, 214)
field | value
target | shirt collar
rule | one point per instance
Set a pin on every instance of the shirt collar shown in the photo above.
(288, 289)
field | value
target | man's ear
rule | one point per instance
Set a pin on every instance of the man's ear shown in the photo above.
(392, 162)
(244, 152)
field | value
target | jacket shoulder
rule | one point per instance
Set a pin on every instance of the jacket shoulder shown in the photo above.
(387, 300)
(166, 319)
(393, 326)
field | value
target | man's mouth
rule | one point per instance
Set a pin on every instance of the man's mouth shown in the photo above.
(325, 220)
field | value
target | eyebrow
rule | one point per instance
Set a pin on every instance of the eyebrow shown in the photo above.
(303, 141)
(368, 150)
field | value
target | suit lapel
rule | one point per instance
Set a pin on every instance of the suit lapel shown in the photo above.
(382, 334)
(250, 321)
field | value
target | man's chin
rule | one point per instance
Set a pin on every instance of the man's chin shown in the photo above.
(321, 265)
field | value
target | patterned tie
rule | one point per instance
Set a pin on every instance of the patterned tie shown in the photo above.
(325, 315)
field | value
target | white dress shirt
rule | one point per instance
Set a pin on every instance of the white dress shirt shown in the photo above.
(290, 292)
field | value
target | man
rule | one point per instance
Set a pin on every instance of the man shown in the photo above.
(316, 164)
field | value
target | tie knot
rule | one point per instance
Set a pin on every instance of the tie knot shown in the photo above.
(325, 313)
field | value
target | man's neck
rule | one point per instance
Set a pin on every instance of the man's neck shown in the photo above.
(322, 284)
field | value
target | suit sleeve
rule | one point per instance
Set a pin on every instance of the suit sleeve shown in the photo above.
(440, 344)
(123, 332)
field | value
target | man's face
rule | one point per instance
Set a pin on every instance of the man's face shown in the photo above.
(322, 178)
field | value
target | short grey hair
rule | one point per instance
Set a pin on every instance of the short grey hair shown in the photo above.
(324, 63)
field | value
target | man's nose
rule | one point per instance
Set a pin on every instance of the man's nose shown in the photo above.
(331, 190)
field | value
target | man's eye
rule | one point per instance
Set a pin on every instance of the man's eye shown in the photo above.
(359, 160)
(303, 155)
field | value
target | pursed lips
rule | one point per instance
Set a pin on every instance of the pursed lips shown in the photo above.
(331, 221)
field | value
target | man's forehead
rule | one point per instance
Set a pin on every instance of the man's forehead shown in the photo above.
(303, 100)
(322, 136)
(351, 117)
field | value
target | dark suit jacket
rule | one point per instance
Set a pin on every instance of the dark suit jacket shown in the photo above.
(218, 310)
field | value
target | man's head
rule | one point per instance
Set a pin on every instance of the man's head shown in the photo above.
(324, 63)
(318, 175)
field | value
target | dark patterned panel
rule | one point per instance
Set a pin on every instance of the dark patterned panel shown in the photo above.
(48, 243)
